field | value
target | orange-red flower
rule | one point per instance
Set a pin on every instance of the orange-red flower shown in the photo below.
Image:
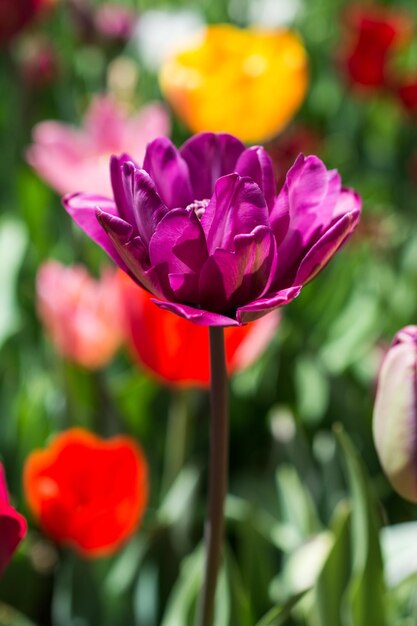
(87, 492)
(247, 82)
(175, 350)
(82, 315)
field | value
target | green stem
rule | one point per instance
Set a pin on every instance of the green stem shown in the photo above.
(214, 530)
(177, 431)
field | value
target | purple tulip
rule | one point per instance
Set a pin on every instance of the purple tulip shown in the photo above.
(395, 413)
(202, 229)
(12, 525)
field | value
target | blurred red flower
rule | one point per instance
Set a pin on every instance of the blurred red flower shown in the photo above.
(82, 315)
(175, 350)
(16, 14)
(406, 92)
(38, 62)
(12, 525)
(86, 492)
(372, 34)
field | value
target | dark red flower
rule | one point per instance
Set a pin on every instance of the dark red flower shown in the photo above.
(175, 350)
(406, 92)
(12, 525)
(373, 34)
(16, 14)
(87, 492)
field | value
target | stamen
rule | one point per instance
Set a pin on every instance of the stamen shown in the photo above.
(198, 206)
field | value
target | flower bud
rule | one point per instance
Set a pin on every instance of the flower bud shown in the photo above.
(395, 414)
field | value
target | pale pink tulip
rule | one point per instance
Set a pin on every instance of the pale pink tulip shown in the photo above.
(82, 315)
(72, 159)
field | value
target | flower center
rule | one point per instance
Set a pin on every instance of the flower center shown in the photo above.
(198, 206)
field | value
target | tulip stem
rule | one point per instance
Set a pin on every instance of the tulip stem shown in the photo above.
(218, 470)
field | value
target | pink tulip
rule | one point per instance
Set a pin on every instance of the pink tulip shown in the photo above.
(12, 525)
(82, 315)
(71, 159)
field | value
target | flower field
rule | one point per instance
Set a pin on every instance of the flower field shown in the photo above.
(208, 320)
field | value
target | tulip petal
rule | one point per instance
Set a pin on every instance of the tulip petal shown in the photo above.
(13, 526)
(132, 252)
(237, 208)
(257, 165)
(83, 210)
(197, 316)
(138, 191)
(322, 251)
(119, 191)
(178, 242)
(313, 200)
(260, 307)
(184, 286)
(167, 168)
(228, 279)
(308, 196)
(210, 156)
(395, 414)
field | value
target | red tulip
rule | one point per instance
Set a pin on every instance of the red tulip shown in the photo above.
(12, 525)
(373, 34)
(176, 351)
(87, 492)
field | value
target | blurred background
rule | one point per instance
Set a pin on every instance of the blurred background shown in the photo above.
(301, 514)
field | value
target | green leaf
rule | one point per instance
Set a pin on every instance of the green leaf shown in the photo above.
(185, 591)
(184, 597)
(312, 389)
(123, 570)
(240, 604)
(11, 617)
(76, 596)
(297, 506)
(352, 333)
(180, 498)
(365, 596)
(280, 614)
(334, 576)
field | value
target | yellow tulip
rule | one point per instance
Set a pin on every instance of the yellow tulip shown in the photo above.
(247, 82)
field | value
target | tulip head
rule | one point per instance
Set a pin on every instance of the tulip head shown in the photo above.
(81, 314)
(86, 492)
(248, 82)
(202, 229)
(395, 414)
